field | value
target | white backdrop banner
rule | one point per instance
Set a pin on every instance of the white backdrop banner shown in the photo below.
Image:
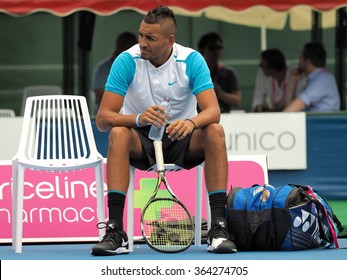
(280, 136)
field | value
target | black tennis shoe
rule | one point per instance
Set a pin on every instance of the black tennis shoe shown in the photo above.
(114, 242)
(218, 238)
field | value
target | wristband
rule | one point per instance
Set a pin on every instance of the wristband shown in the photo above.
(137, 120)
(192, 123)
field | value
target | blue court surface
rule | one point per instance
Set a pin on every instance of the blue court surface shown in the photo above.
(81, 251)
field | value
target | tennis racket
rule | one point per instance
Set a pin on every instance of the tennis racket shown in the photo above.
(166, 224)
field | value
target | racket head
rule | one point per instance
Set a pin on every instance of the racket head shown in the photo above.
(167, 226)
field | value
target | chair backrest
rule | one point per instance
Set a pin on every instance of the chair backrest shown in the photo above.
(38, 91)
(57, 130)
(7, 113)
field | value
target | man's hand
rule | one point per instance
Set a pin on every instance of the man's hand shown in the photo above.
(153, 115)
(179, 129)
(296, 74)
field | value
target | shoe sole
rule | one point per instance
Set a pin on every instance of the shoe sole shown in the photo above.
(100, 252)
(221, 250)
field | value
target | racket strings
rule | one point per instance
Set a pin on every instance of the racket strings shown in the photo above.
(167, 225)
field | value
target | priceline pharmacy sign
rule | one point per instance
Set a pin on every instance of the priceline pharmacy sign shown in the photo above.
(61, 206)
(280, 136)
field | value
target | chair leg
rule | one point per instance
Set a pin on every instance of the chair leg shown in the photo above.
(17, 209)
(130, 210)
(208, 212)
(14, 201)
(100, 196)
(198, 205)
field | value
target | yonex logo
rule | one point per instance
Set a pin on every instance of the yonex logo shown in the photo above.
(171, 83)
(306, 220)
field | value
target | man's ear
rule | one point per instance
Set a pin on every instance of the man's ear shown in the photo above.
(171, 39)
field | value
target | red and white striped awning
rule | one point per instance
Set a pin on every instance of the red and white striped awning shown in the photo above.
(270, 13)
(107, 7)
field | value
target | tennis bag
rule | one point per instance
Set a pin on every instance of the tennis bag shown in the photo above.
(289, 217)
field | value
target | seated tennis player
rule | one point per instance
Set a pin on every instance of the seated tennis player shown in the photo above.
(154, 70)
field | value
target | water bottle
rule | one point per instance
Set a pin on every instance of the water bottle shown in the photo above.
(156, 133)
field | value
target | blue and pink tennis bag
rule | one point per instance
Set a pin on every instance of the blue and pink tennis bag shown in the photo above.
(289, 217)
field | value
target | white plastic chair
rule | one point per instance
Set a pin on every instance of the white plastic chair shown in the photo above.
(39, 90)
(7, 113)
(198, 202)
(56, 135)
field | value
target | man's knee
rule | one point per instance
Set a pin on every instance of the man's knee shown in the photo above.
(119, 135)
(215, 131)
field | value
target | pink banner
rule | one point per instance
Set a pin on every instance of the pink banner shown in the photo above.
(62, 206)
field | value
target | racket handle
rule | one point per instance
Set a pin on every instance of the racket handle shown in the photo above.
(158, 149)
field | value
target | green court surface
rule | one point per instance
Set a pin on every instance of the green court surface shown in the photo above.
(340, 210)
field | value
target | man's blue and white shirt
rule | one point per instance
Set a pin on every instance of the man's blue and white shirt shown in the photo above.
(178, 80)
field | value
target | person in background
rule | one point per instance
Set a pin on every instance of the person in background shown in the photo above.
(154, 70)
(123, 42)
(225, 80)
(320, 93)
(275, 86)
